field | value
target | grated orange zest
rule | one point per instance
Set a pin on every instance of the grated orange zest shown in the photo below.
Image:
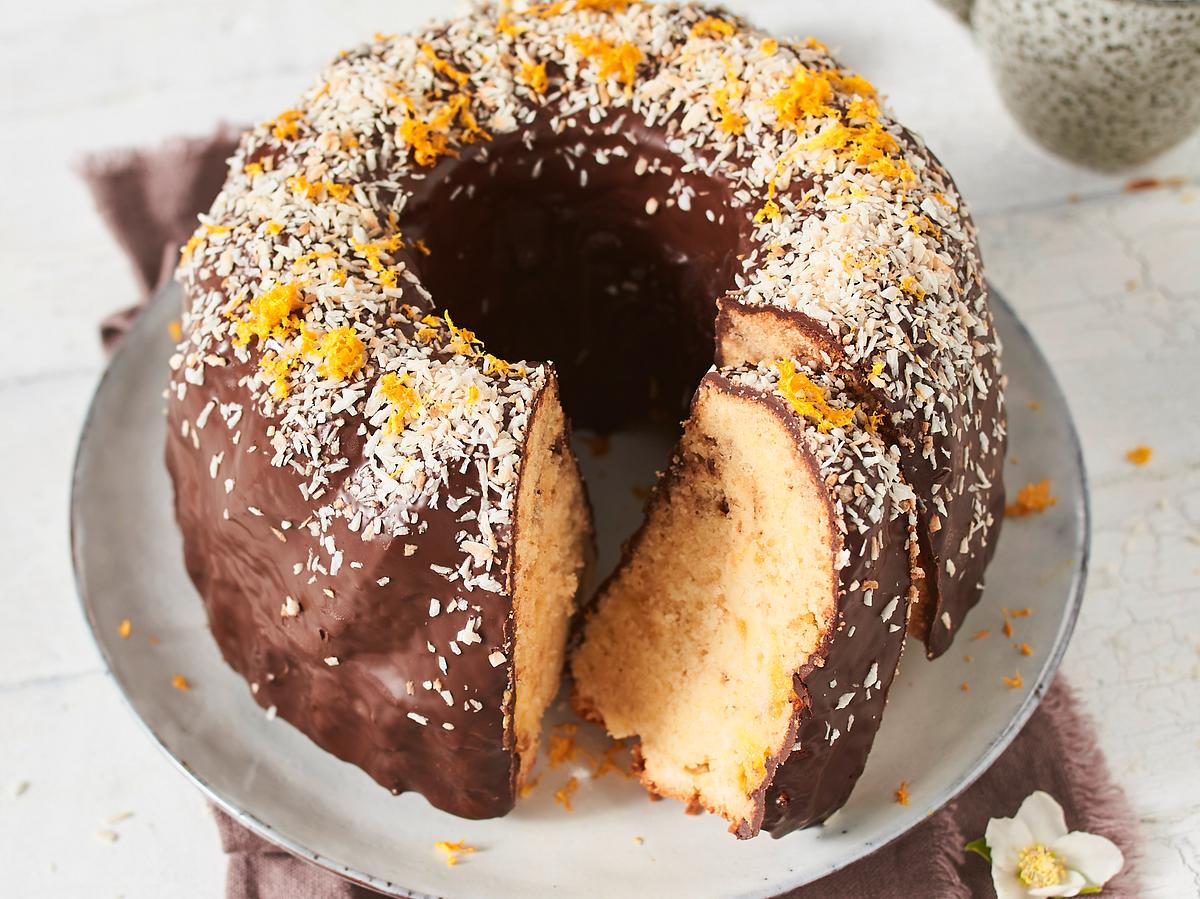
(444, 68)
(451, 851)
(563, 796)
(534, 75)
(270, 314)
(1139, 455)
(613, 60)
(343, 354)
(808, 399)
(712, 27)
(1031, 499)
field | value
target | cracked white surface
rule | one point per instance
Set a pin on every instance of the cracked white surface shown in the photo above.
(1109, 285)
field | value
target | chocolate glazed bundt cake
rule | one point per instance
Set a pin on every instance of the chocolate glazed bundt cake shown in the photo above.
(384, 516)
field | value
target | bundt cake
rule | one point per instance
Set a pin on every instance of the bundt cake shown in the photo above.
(384, 517)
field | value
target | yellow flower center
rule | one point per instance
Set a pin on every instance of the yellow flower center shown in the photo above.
(1037, 866)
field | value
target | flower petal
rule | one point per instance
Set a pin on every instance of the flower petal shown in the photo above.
(1043, 816)
(1006, 837)
(1097, 858)
(1006, 884)
(1069, 887)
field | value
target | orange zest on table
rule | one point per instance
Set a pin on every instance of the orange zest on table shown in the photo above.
(1031, 499)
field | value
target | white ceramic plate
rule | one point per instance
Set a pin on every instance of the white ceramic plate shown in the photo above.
(935, 737)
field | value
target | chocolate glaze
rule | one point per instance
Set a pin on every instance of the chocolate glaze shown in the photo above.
(358, 709)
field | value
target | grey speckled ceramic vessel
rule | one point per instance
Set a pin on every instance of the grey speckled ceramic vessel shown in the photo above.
(1105, 83)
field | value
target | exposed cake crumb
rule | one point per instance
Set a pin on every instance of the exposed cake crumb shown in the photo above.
(125, 628)
(902, 793)
(1015, 681)
(179, 682)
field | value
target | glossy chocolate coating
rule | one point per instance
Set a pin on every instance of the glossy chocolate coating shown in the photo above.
(358, 709)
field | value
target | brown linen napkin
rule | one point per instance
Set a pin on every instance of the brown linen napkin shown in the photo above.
(150, 201)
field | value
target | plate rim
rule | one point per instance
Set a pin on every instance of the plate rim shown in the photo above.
(264, 830)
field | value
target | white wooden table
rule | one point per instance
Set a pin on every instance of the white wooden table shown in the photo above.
(1107, 279)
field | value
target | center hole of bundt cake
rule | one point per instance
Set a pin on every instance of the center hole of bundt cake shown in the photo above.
(595, 252)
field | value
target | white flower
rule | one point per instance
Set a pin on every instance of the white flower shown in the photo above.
(1034, 855)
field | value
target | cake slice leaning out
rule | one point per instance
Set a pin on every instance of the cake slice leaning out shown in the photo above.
(750, 634)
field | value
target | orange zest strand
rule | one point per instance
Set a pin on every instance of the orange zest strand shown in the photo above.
(1031, 499)
(343, 354)
(1139, 455)
(271, 314)
(534, 75)
(808, 399)
(563, 796)
(712, 27)
(451, 851)
(618, 61)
